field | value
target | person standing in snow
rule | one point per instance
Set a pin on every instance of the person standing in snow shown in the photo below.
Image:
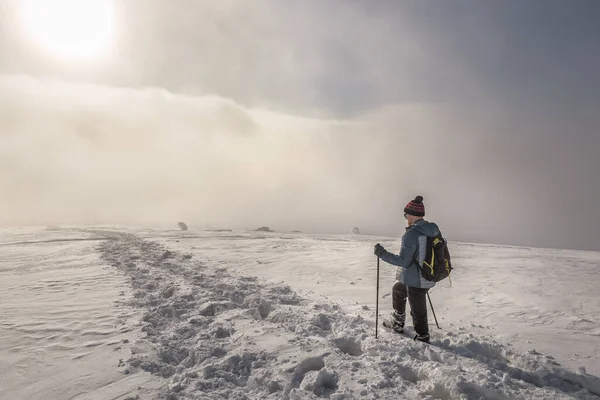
(409, 282)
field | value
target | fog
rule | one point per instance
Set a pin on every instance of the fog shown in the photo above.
(85, 154)
(76, 154)
(290, 118)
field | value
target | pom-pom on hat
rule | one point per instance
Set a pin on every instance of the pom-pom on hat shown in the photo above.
(415, 207)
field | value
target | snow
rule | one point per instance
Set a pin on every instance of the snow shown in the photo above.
(115, 313)
(60, 333)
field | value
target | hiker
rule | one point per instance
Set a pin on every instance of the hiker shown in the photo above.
(409, 281)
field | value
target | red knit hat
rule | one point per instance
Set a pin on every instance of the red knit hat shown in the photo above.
(415, 207)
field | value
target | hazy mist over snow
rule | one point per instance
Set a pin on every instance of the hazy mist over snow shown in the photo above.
(313, 116)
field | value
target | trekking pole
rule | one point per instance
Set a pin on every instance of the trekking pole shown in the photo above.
(433, 311)
(377, 301)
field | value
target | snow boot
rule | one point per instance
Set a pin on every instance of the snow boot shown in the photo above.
(422, 338)
(396, 322)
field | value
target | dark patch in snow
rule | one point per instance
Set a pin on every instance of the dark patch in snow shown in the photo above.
(348, 346)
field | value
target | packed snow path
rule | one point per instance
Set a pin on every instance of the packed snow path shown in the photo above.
(216, 335)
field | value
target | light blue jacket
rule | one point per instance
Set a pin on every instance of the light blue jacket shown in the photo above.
(412, 254)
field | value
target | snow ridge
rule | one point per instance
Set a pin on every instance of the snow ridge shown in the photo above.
(214, 335)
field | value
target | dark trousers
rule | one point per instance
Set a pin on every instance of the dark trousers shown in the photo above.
(418, 305)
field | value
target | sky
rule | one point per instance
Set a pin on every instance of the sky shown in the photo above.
(308, 115)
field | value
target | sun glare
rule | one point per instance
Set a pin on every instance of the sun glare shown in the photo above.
(70, 29)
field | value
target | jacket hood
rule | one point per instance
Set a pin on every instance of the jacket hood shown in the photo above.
(426, 228)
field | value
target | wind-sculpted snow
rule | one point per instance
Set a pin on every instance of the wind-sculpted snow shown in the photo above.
(60, 334)
(212, 334)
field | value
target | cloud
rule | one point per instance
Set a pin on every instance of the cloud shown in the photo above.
(327, 59)
(85, 154)
(74, 153)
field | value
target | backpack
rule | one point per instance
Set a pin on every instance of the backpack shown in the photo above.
(437, 264)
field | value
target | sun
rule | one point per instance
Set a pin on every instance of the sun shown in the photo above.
(70, 29)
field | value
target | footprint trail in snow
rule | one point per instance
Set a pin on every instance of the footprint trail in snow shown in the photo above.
(212, 334)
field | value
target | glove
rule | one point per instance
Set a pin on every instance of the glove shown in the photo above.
(379, 250)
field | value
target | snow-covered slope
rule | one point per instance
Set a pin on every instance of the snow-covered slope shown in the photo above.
(262, 315)
(61, 335)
